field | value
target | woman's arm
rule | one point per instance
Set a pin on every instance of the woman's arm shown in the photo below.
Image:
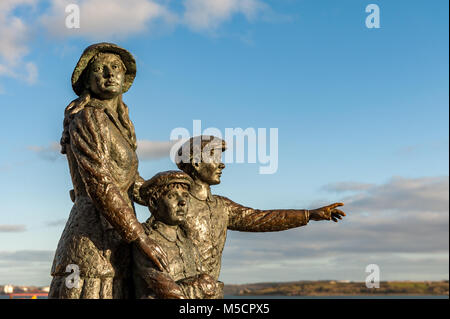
(136, 195)
(89, 140)
(159, 283)
(201, 286)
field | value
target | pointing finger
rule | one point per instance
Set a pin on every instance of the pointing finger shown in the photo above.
(336, 205)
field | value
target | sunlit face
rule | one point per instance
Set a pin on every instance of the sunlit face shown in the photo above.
(173, 206)
(106, 76)
(209, 170)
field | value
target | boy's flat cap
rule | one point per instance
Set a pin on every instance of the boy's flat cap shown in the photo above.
(162, 179)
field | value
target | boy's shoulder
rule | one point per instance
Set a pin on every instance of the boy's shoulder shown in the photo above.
(149, 228)
(158, 231)
(223, 202)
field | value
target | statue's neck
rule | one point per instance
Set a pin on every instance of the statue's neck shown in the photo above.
(200, 189)
(168, 231)
(110, 104)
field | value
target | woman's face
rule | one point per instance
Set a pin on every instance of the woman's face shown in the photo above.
(106, 76)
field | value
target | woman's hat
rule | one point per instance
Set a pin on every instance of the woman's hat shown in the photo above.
(79, 72)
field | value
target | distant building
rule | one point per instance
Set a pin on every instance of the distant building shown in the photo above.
(45, 289)
(8, 289)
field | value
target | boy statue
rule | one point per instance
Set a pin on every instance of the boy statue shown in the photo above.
(210, 216)
(168, 200)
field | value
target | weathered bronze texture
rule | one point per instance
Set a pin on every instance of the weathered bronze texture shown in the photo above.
(177, 252)
(100, 144)
(210, 216)
(168, 200)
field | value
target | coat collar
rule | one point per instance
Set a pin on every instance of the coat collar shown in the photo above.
(170, 233)
(112, 117)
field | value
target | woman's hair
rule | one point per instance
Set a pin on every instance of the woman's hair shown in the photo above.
(69, 113)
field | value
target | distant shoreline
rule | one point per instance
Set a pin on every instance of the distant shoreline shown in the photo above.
(313, 289)
(333, 288)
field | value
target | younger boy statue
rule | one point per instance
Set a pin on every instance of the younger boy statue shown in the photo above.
(168, 200)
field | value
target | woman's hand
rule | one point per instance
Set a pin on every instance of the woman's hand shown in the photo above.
(329, 212)
(153, 251)
(207, 284)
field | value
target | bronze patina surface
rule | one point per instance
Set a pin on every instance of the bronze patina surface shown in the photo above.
(210, 216)
(177, 252)
(100, 145)
(168, 200)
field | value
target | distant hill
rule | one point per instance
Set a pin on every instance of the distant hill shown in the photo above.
(338, 288)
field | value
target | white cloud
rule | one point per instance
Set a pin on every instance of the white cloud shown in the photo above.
(401, 225)
(403, 195)
(207, 15)
(346, 186)
(101, 19)
(50, 152)
(147, 150)
(12, 228)
(14, 35)
(109, 19)
(151, 150)
(58, 222)
(26, 267)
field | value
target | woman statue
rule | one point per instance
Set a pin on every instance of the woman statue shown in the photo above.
(92, 259)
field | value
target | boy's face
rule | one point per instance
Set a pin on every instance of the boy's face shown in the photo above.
(209, 170)
(173, 206)
(210, 173)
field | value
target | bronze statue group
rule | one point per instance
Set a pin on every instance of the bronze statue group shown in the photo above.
(177, 252)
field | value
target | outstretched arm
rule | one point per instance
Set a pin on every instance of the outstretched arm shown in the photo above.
(90, 144)
(254, 220)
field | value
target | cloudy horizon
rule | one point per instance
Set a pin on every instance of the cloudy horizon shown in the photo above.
(401, 243)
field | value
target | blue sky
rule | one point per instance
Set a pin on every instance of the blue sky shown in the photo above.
(362, 116)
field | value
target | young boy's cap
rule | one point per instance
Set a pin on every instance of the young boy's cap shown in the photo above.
(193, 148)
(162, 179)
